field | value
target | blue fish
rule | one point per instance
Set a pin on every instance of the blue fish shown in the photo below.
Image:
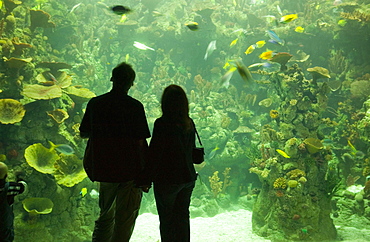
(327, 142)
(62, 148)
(275, 37)
(213, 153)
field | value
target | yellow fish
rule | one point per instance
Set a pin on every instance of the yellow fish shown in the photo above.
(123, 18)
(299, 29)
(83, 192)
(244, 72)
(282, 153)
(250, 49)
(234, 42)
(127, 57)
(213, 153)
(266, 55)
(354, 150)
(342, 22)
(260, 44)
(193, 26)
(227, 64)
(288, 18)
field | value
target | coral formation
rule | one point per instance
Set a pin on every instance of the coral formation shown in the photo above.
(215, 183)
(40, 18)
(40, 92)
(274, 114)
(280, 183)
(58, 115)
(41, 158)
(69, 170)
(38, 205)
(11, 111)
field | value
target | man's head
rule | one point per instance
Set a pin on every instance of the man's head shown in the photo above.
(123, 76)
(3, 170)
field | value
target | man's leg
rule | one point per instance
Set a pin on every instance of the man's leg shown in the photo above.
(127, 209)
(104, 224)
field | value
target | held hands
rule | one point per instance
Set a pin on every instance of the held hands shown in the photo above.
(145, 188)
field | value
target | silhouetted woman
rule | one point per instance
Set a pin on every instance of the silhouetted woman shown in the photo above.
(170, 161)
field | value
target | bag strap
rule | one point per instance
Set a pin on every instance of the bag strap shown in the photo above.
(196, 132)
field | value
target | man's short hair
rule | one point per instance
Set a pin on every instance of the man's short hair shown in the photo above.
(123, 74)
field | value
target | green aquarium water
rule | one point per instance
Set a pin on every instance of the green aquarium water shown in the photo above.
(279, 91)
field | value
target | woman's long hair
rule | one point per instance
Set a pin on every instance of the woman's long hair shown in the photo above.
(175, 105)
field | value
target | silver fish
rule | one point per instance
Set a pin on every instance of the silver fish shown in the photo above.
(75, 7)
(211, 47)
(225, 80)
(142, 46)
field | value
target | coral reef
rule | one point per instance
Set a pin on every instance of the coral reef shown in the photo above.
(56, 57)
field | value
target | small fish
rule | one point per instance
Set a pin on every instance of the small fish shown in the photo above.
(227, 64)
(94, 194)
(337, 2)
(282, 153)
(52, 77)
(367, 178)
(250, 49)
(274, 37)
(142, 46)
(244, 71)
(279, 10)
(264, 64)
(62, 148)
(157, 13)
(299, 29)
(213, 153)
(266, 55)
(127, 57)
(342, 22)
(48, 83)
(225, 80)
(83, 192)
(120, 10)
(193, 26)
(353, 149)
(327, 142)
(260, 44)
(288, 18)
(240, 31)
(211, 47)
(123, 18)
(234, 42)
(270, 18)
(359, 154)
(75, 7)
(103, 5)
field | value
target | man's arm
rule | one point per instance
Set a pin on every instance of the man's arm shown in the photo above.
(85, 127)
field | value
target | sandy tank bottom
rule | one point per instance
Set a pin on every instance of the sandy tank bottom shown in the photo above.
(235, 226)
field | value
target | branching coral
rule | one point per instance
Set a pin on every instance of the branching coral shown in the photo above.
(227, 181)
(337, 62)
(296, 174)
(204, 87)
(280, 183)
(218, 186)
(357, 16)
(215, 183)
